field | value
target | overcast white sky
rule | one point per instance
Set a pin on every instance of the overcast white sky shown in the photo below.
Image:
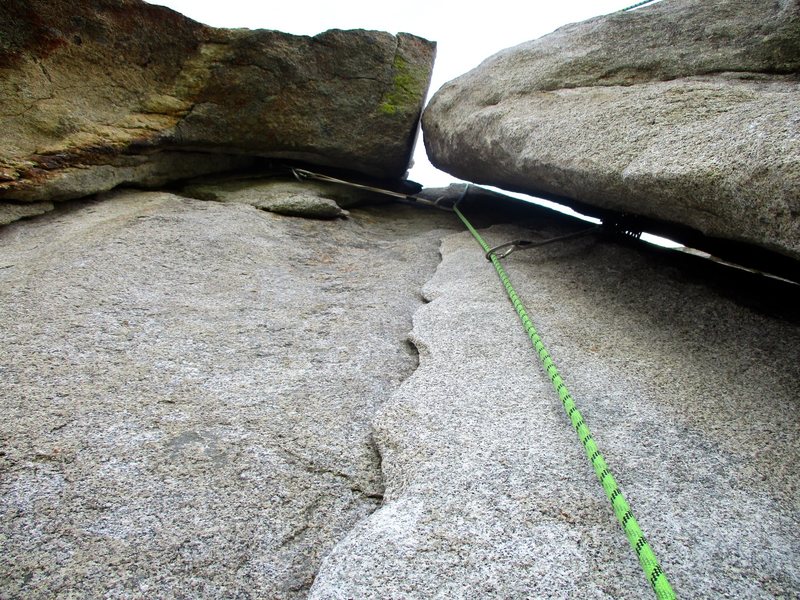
(466, 34)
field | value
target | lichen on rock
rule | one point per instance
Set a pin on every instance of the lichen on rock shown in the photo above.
(408, 83)
(70, 106)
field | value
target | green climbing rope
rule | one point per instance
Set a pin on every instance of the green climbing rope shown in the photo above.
(622, 510)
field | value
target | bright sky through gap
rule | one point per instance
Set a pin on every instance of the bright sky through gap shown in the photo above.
(466, 34)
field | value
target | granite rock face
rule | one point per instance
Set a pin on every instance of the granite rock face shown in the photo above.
(205, 399)
(685, 111)
(96, 94)
(187, 388)
(488, 492)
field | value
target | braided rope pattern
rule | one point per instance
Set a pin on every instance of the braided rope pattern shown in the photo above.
(647, 558)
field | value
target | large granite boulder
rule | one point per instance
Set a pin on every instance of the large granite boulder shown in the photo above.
(94, 94)
(685, 111)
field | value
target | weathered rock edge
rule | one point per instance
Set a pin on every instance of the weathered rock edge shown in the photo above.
(97, 94)
(685, 112)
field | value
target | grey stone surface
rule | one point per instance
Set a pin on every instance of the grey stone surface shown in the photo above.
(690, 388)
(261, 188)
(187, 387)
(92, 92)
(14, 212)
(281, 196)
(203, 399)
(685, 111)
(304, 205)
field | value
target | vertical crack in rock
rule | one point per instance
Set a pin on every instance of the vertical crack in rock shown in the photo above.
(488, 493)
(188, 389)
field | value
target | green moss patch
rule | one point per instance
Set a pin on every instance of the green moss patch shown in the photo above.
(408, 88)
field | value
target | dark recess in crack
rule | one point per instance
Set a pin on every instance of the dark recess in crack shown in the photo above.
(413, 351)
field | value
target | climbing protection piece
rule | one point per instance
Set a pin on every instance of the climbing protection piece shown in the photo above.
(504, 250)
(622, 510)
(304, 174)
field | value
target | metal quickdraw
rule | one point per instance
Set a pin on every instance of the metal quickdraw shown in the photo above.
(510, 247)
